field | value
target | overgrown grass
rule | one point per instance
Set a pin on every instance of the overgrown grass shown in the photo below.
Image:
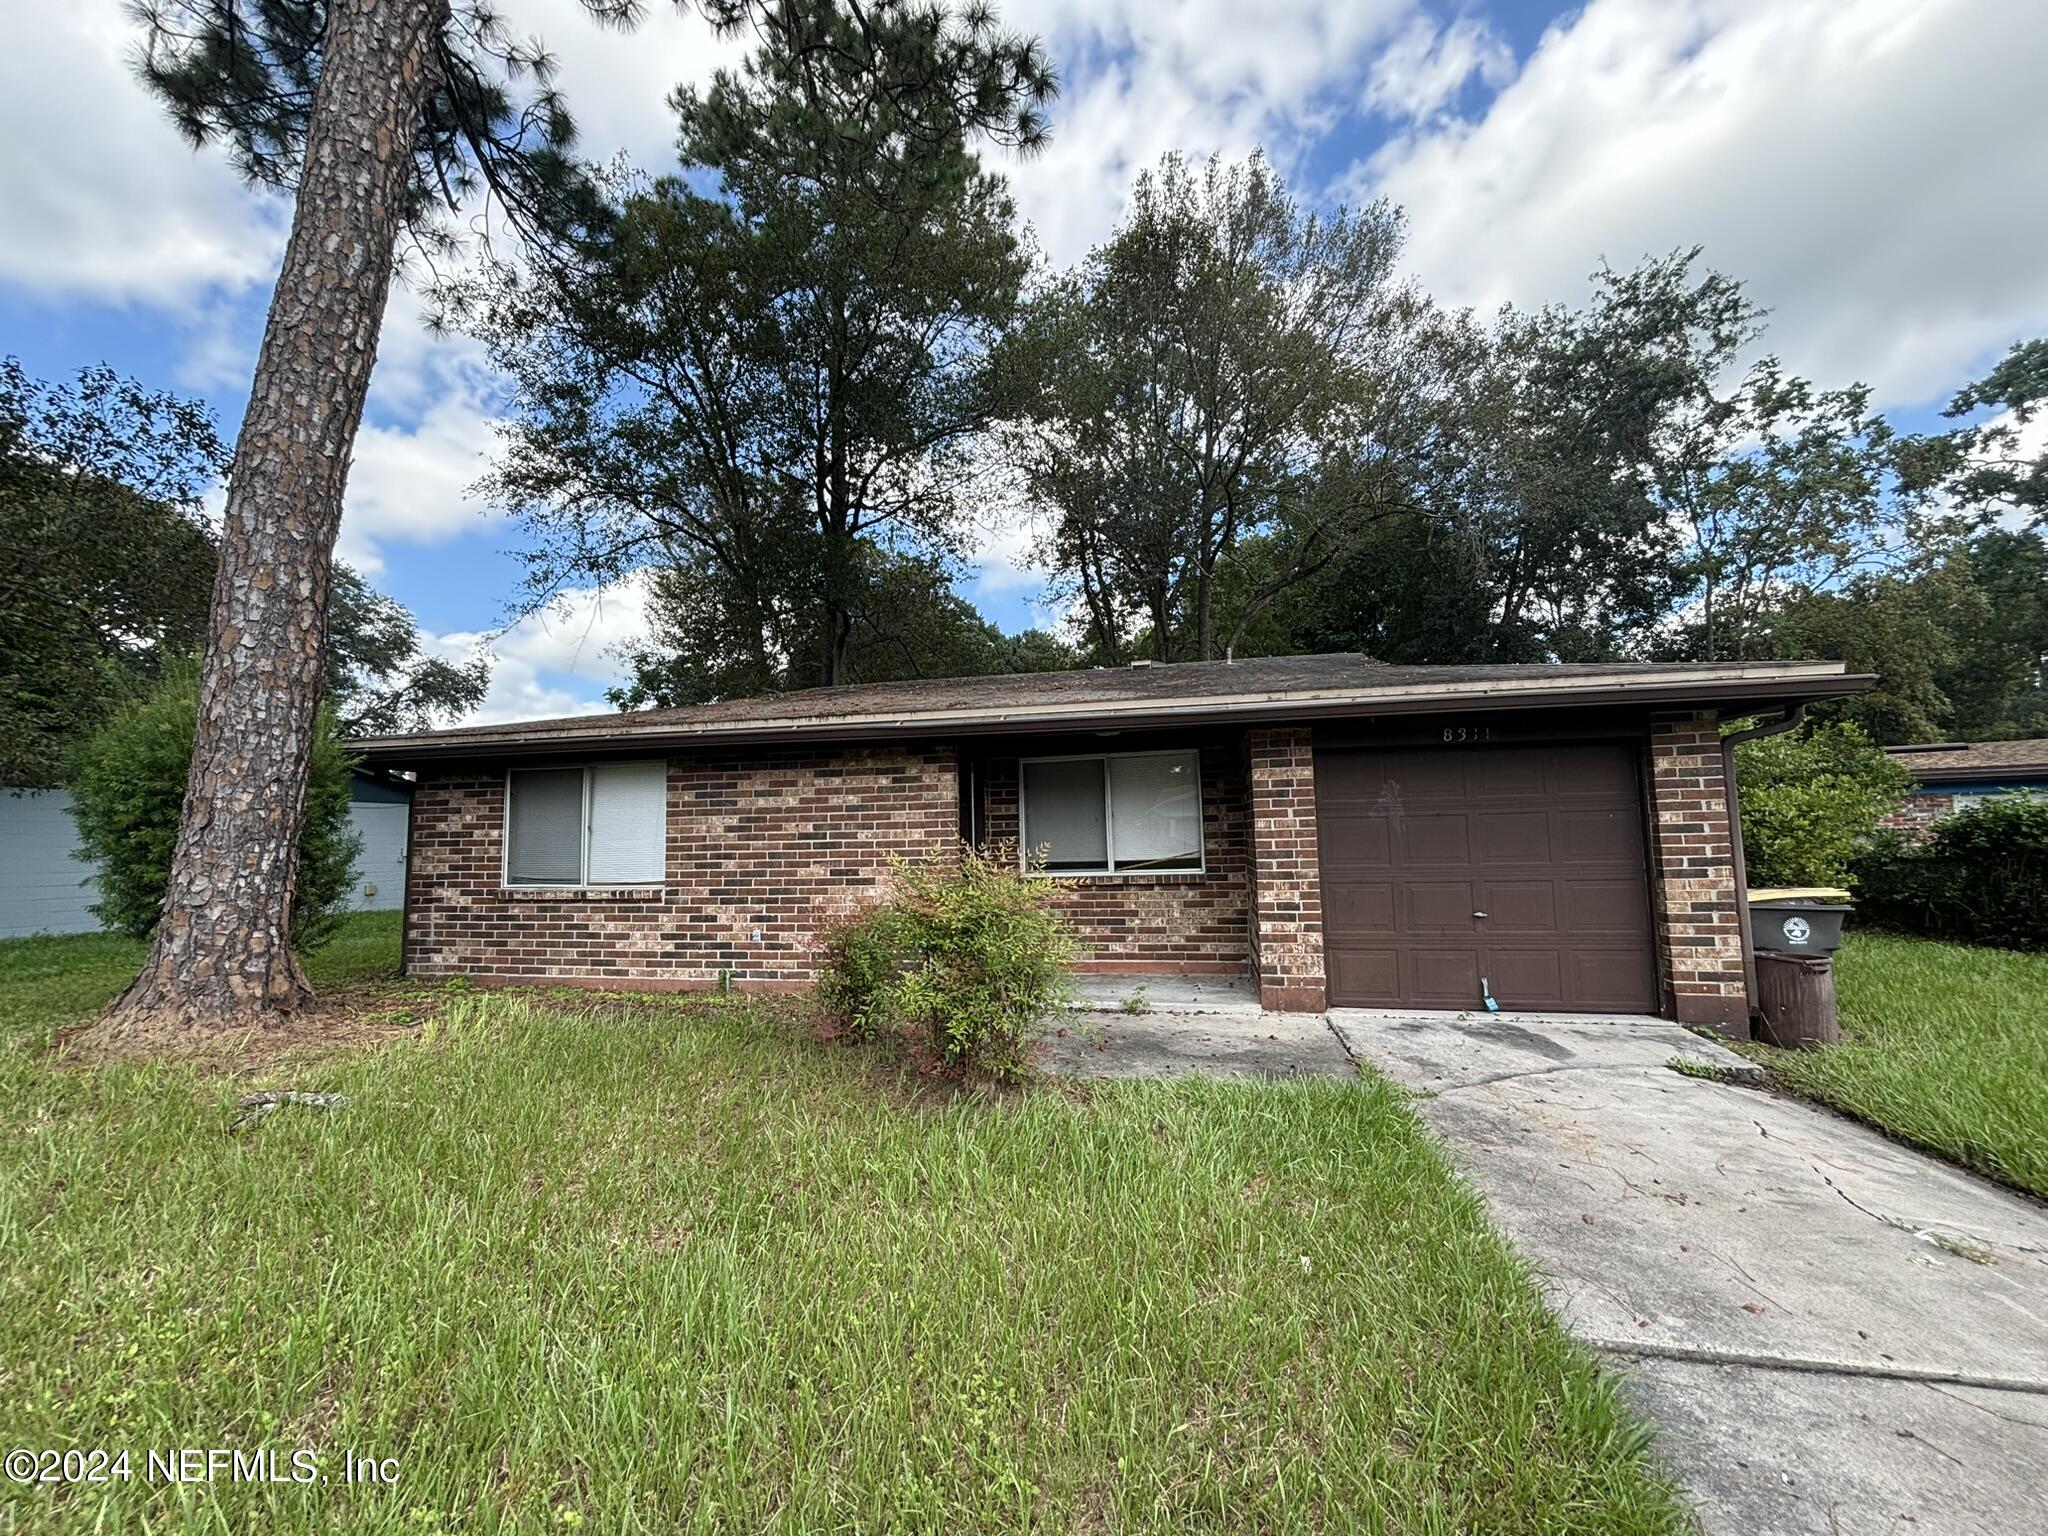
(46, 982)
(675, 1267)
(1944, 1045)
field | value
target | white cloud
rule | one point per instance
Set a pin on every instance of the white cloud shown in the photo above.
(411, 483)
(102, 197)
(1422, 70)
(1873, 171)
(556, 662)
(1203, 78)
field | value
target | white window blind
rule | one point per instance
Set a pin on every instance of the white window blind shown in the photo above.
(627, 823)
(1155, 812)
(1063, 813)
(1100, 815)
(545, 827)
(602, 825)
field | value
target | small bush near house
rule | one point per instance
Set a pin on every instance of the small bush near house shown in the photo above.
(963, 960)
(128, 790)
(1811, 800)
(1981, 877)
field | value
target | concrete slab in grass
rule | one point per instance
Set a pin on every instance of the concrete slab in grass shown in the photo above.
(1171, 1044)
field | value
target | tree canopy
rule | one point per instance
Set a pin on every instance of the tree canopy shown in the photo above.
(767, 381)
(111, 565)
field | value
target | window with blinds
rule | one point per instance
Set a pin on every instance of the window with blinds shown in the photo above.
(606, 824)
(1113, 814)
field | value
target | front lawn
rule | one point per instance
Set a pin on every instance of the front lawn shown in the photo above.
(1944, 1045)
(648, 1265)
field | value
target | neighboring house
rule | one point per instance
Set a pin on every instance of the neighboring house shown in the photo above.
(1341, 831)
(45, 887)
(1951, 776)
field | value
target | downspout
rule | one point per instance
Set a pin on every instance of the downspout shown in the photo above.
(1741, 859)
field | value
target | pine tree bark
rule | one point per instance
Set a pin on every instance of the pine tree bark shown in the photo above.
(222, 953)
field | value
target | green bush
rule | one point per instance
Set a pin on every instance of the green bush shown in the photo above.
(1811, 800)
(1981, 877)
(963, 960)
(128, 790)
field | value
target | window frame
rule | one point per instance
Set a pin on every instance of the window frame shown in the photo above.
(505, 880)
(1110, 870)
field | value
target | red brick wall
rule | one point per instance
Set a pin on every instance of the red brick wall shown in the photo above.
(1923, 808)
(1287, 929)
(1190, 924)
(1699, 937)
(764, 847)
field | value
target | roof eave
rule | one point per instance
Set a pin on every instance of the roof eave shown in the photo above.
(608, 735)
(1988, 773)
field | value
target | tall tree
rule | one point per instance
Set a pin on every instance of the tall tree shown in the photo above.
(108, 560)
(1989, 467)
(375, 114)
(1226, 364)
(767, 382)
(111, 564)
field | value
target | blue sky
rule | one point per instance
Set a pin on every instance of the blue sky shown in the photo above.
(1874, 170)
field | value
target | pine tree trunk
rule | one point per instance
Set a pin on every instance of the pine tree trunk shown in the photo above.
(222, 953)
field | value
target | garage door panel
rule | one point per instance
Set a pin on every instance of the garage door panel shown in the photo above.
(1361, 907)
(1440, 976)
(1439, 906)
(1532, 978)
(1602, 906)
(1593, 836)
(1608, 775)
(1609, 980)
(1371, 976)
(1507, 773)
(1359, 845)
(1515, 906)
(1434, 839)
(1514, 837)
(1547, 841)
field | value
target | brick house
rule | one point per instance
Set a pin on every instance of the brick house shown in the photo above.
(1339, 831)
(1951, 776)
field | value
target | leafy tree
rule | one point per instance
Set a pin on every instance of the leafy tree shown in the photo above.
(908, 623)
(1986, 466)
(379, 682)
(1959, 643)
(1811, 801)
(1225, 365)
(766, 383)
(108, 563)
(379, 115)
(111, 565)
(1537, 531)
(130, 783)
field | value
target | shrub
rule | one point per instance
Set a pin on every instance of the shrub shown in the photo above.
(1981, 877)
(1811, 800)
(964, 960)
(128, 791)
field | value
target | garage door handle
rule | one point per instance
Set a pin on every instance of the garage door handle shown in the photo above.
(1479, 914)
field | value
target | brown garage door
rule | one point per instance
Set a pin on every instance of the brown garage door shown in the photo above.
(1447, 873)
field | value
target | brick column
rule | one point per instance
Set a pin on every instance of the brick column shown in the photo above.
(1287, 895)
(1699, 935)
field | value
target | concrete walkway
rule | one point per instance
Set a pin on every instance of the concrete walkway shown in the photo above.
(1834, 1333)
(1220, 1042)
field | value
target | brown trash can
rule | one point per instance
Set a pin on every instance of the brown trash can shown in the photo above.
(1795, 995)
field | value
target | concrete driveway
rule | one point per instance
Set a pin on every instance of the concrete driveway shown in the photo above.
(1835, 1334)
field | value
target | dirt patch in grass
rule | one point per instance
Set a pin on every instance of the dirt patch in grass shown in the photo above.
(341, 1022)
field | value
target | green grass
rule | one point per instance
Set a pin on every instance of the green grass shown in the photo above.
(47, 982)
(1943, 1045)
(666, 1266)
